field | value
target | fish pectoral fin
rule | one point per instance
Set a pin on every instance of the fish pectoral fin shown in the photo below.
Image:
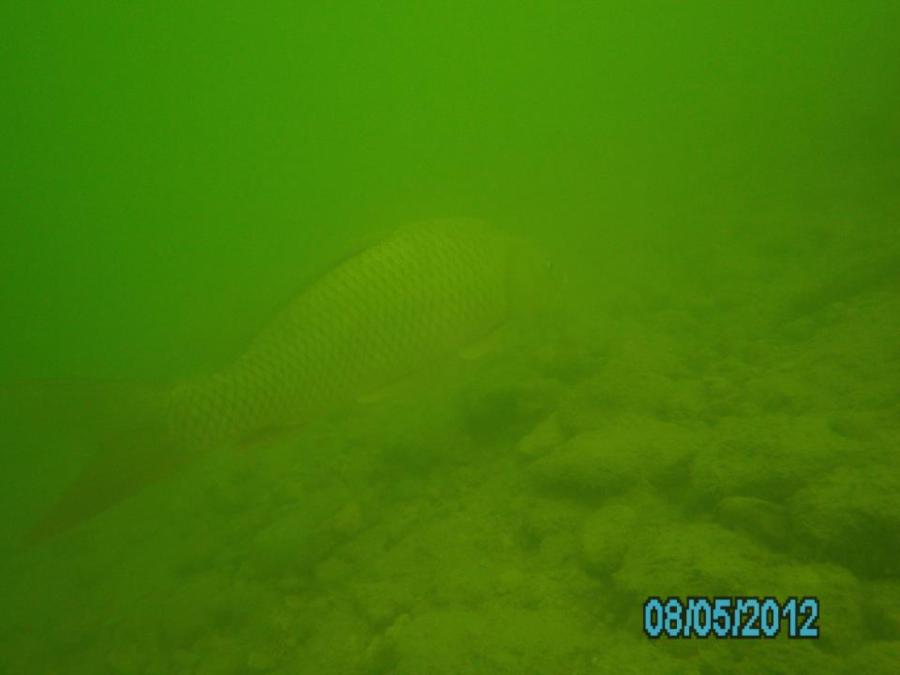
(490, 343)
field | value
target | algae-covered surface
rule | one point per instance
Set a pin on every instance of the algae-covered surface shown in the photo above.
(708, 405)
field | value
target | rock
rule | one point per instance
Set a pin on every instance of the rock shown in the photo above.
(349, 519)
(262, 660)
(335, 639)
(490, 640)
(768, 457)
(784, 393)
(558, 547)
(874, 657)
(125, 657)
(839, 592)
(861, 425)
(643, 375)
(291, 545)
(381, 602)
(606, 536)
(592, 402)
(546, 436)
(753, 657)
(852, 516)
(502, 404)
(222, 656)
(379, 656)
(882, 608)
(201, 605)
(627, 451)
(693, 559)
(511, 581)
(543, 519)
(570, 358)
(631, 653)
(763, 520)
(332, 571)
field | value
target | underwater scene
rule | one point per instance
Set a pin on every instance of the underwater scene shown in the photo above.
(432, 338)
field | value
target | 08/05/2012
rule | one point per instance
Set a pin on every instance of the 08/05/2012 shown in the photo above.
(731, 617)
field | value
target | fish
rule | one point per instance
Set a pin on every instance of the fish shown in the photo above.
(428, 291)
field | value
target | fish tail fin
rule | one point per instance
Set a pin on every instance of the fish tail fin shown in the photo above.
(117, 472)
(125, 422)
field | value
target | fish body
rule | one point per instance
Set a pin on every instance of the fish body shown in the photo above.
(424, 293)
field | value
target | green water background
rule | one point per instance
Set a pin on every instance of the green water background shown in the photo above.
(170, 175)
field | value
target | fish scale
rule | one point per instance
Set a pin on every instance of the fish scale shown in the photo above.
(427, 291)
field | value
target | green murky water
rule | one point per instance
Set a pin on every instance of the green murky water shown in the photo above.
(716, 412)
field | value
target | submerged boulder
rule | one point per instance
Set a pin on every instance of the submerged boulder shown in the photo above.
(852, 516)
(627, 451)
(694, 559)
(873, 657)
(763, 520)
(882, 608)
(768, 456)
(546, 436)
(606, 536)
(839, 592)
(491, 640)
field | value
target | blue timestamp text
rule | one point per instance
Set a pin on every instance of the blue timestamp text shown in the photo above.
(731, 617)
